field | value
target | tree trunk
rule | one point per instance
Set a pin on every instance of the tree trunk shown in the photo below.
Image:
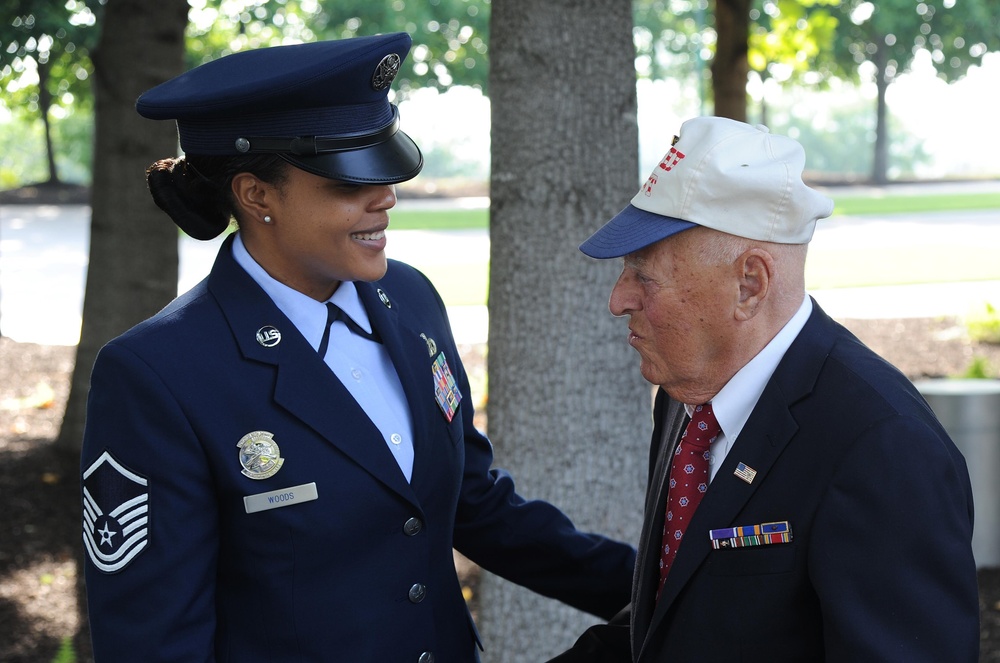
(880, 162)
(569, 414)
(730, 67)
(132, 270)
(44, 105)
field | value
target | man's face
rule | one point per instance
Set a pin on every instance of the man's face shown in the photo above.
(680, 314)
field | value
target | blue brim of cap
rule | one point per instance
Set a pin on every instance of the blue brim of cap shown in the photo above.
(630, 230)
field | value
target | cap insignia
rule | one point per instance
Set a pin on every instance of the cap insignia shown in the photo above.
(385, 72)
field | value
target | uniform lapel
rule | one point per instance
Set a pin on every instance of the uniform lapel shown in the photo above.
(304, 385)
(411, 358)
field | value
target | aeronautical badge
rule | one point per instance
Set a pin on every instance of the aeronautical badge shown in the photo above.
(385, 72)
(115, 514)
(259, 455)
(446, 392)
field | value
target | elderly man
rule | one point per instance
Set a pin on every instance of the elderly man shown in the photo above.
(813, 509)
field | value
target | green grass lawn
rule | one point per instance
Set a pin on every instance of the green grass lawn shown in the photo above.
(472, 219)
(890, 204)
(828, 268)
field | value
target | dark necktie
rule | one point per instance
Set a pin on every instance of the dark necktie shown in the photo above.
(334, 313)
(688, 482)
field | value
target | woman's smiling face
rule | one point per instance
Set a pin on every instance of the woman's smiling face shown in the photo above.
(322, 232)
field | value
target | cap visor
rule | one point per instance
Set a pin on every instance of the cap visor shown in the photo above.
(630, 230)
(395, 160)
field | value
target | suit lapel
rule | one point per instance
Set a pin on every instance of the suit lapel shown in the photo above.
(669, 420)
(304, 385)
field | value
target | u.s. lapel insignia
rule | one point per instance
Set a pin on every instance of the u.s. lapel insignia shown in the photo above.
(259, 455)
(446, 392)
(115, 513)
(745, 472)
(268, 336)
(432, 346)
(384, 298)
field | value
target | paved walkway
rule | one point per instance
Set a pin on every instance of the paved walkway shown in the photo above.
(43, 260)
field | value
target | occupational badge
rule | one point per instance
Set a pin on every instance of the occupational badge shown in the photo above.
(115, 514)
(259, 455)
(446, 392)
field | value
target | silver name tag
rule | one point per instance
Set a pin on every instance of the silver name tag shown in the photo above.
(281, 497)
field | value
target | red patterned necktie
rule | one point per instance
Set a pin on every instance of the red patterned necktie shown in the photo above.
(688, 482)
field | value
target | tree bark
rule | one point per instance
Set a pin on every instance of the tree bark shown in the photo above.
(569, 414)
(730, 67)
(44, 106)
(880, 160)
(132, 270)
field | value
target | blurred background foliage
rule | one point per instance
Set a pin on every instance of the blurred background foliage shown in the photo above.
(796, 50)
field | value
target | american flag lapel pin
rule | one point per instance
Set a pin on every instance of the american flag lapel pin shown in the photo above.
(745, 472)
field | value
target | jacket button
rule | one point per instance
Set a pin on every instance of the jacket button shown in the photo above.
(426, 657)
(412, 527)
(417, 593)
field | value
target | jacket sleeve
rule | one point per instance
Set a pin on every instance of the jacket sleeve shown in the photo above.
(601, 643)
(531, 542)
(155, 603)
(891, 559)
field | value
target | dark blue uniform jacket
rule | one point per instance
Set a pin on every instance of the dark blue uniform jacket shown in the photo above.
(178, 570)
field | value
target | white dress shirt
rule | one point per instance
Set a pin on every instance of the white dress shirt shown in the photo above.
(736, 400)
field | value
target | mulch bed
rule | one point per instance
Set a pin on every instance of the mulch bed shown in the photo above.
(40, 535)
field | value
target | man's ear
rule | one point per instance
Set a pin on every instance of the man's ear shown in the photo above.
(252, 196)
(756, 268)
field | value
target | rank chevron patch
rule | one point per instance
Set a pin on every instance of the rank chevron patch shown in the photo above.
(115, 513)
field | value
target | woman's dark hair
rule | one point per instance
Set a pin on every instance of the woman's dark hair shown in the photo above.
(195, 190)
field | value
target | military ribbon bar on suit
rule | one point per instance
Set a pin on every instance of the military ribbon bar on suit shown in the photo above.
(751, 535)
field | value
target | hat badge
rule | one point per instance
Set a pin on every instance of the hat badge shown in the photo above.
(385, 72)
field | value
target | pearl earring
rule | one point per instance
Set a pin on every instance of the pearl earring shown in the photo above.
(267, 218)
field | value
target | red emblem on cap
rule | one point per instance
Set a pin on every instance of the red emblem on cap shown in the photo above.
(667, 164)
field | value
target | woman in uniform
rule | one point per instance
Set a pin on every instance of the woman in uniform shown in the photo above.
(278, 465)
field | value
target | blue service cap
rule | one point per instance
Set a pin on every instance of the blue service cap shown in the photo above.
(322, 106)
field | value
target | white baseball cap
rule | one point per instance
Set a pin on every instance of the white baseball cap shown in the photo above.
(721, 174)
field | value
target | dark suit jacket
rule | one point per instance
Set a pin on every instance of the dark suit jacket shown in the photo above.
(365, 571)
(880, 567)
